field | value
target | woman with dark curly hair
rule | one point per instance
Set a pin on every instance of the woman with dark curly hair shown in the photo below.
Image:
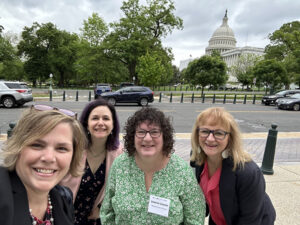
(149, 184)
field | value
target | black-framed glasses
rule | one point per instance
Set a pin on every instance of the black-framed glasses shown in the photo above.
(143, 133)
(47, 107)
(218, 134)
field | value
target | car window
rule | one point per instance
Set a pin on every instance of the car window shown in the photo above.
(13, 85)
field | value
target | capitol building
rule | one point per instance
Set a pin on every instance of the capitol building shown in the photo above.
(223, 40)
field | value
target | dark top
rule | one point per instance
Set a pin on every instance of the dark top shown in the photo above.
(242, 195)
(14, 205)
(89, 189)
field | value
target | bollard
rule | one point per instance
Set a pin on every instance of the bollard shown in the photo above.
(203, 98)
(76, 96)
(50, 97)
(254, 98)
(181, 100)
(245, 99)
(193, 97)
(159, 97)
(214, 98)
(234, 100)
(10, 130)
(268, 159)
(171, 96)
(64, 96)
(90, 96)
(224, 99)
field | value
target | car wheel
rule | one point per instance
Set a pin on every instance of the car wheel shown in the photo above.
(296, 107)
(111, 101)
(8, 102)
(143, 101)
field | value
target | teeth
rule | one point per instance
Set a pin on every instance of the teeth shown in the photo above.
(45, 171)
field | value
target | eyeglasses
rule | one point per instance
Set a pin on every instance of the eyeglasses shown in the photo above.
(143, 133)
(47, 107)
(218, 134)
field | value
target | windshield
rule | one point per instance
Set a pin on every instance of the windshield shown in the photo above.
(281, 93)
(295, 96)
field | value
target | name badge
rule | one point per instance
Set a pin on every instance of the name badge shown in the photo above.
(159, 206)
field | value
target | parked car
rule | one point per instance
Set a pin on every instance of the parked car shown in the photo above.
(100, 88)
(14, 93)
(227, 87)
(292, 102)
(126, 84)
(271, 99)
(133, 94)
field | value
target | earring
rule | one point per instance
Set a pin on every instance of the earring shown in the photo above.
(199, 149)
(225, 154)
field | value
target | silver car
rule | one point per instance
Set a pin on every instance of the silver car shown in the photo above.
(14, 93)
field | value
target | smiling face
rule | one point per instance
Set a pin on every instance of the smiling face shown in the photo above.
(148, 146)
(212, 147)
(43, 163)
(100, 122)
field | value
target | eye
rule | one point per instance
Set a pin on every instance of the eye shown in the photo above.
(36, 145)
(63, 149)
(106, 118)
(205, 132)
(219, 133)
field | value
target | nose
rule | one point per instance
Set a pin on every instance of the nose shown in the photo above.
(148, 136)
(48, 155)
(211, 137)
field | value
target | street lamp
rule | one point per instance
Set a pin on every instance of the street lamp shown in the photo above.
(50, 75)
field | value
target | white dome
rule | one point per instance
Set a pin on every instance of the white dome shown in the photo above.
(222, 39)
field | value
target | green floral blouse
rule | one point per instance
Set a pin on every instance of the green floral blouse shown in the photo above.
(126, 200)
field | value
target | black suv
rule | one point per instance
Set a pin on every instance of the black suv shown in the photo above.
(132, 94)
(271, 99)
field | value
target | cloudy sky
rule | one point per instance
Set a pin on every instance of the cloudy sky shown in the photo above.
(251, 20)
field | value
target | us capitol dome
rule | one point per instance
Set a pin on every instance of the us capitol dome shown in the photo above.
(222, 39)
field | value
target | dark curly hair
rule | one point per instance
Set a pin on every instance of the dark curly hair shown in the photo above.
(112, 142)
(151, 116)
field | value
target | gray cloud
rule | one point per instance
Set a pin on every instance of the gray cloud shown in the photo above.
(251, 20)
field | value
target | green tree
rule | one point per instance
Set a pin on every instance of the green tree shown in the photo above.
(285, 47)
(271, 73)
(140, 30)
(207, 70)
(47, 50)
(152, 70)
(243, 68)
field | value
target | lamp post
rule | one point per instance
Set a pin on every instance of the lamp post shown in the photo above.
(50, 87)
(133, 79)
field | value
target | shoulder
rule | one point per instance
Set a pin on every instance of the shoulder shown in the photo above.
(179, 166)
(115, 153)
(122, 160)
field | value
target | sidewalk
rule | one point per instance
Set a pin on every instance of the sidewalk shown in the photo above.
(283, 186)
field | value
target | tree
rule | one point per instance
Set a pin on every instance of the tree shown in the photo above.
(285, 47)
(47, 50)
(151, 69)
(271, 73)
(207, 70)
(94, 30)
(140, 30)
(243, 68)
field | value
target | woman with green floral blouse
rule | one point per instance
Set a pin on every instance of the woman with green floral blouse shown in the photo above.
(148, 184)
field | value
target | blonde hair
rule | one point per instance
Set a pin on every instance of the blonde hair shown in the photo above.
(219, 116)
(35, 124)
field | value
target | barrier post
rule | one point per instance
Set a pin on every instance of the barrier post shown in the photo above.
(268, 159)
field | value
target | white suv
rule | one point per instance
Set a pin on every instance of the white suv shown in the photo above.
(14, 93)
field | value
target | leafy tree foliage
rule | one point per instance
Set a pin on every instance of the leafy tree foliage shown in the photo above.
(152, 71)
(140, 30)
(285, 47)
(47, 50)
(207, 70)
(271, 73)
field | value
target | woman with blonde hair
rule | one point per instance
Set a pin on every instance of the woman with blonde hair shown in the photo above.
(233, 185)
(46, 144)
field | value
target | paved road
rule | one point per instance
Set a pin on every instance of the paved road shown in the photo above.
(251, 118)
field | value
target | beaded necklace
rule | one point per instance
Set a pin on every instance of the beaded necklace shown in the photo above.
(49, 220)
